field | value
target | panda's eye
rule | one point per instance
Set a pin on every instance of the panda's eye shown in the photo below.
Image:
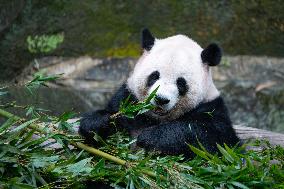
(153, 78)
(182, 86)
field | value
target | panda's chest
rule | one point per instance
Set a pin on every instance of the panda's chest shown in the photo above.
(137, 125)
(134, 133)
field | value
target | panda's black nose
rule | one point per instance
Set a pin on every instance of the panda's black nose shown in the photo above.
(161, 100)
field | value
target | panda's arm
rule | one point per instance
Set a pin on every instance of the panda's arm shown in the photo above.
(173, 138)
(170, 138)
(99, 121)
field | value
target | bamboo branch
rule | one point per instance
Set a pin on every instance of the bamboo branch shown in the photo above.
(80, 145)
(76, 144)
(99, 153)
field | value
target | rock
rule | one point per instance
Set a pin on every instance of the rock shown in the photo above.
(254, 91)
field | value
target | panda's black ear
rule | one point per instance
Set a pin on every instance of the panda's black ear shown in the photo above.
(211, 55)
(147, 39)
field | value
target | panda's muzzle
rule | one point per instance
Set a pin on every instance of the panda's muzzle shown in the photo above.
(159, 111)
(160, 101)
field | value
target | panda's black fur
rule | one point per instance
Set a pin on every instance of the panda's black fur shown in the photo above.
(209, 123)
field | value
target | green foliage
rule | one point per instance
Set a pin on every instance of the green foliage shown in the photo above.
(63, 123)
(24, 162)
(44, 43)
(130, 109)
(33, 111)
(40, 79)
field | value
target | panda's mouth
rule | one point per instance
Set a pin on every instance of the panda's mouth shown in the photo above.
(160, 111)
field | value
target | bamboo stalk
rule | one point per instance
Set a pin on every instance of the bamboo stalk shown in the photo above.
(99, 153)
(9, 115)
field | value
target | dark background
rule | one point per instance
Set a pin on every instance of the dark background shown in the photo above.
(105, 28)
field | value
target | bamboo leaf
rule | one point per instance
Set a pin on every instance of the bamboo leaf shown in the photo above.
(80, 167)
(227, 156)
(39, 161)
(152, 95)
(7, 125)
(24, 125)
(199, 152)
(240, 185)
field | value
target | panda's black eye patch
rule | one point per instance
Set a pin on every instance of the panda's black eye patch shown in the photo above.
(182, 86)
(153, 77)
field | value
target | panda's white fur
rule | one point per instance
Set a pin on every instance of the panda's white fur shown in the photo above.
(173, 57)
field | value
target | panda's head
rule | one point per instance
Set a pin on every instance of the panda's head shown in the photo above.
(181, 69)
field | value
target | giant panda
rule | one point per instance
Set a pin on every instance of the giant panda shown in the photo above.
(189, 109)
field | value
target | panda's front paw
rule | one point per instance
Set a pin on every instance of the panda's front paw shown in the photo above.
(94, 122)
(147, 141)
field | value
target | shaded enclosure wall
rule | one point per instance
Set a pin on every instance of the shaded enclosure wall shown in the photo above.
(111, 28)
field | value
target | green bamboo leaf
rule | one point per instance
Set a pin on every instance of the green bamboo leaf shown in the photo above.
(212, 157)
(194, 179)
(152, 95)
(240, 185)
(80, 167)
(6, 125)
(249, 163)
(30, 110)
(40, 161)
(131, 185)
(125, 103)
(28, 136)
(50, 78)
(230, 187)
(10, 148)
(36, 77)
(24, 125)
(66, 116)
(225, 154)
(35, 142)
(232, 153)
(98, 138)
(199, 152)
(146, 180)
(143, 111)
